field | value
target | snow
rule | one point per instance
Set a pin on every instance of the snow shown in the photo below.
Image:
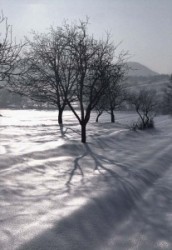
(56, 193)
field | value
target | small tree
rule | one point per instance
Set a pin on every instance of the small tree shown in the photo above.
(144, 102)
(114, 94)
(101, 106)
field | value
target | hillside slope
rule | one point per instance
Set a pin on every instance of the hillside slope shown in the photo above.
(137, 69)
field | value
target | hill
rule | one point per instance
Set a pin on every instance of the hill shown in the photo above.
(137, 69)
(141, 77)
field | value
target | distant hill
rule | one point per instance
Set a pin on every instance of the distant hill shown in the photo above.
(137, 69)
(157, 82)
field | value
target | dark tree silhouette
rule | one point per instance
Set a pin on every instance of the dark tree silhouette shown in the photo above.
(46, 71)
(145, 103)
(114, 94)
(9, 52)
(93, 59)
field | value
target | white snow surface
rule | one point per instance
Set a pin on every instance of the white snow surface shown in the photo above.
(114, 193)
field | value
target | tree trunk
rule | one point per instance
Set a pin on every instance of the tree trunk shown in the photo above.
(112, 116)
(83, 133)
(97, 118)
(60, 117)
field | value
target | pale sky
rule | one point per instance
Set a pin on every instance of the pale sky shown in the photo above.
(143, 26)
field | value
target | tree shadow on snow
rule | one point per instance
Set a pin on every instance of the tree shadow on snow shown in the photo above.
(103, 220)
(86, 228)
(100, 162)
(91, 225)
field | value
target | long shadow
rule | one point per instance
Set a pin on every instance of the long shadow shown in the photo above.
(75, 168)
(87, 228)
(142, 175)
(150, 225)
(90, 226)
(63, 130)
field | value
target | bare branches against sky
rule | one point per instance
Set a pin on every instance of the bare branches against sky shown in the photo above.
(144, 26)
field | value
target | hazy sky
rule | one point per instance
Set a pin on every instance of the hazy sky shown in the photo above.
(143, 26)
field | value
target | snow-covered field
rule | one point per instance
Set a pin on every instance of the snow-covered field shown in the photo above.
(114, 193)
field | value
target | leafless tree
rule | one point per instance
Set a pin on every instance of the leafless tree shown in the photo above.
(9, 51)
(46, 71)
(145, 103)
(92, 61)
(114, 94)
(101, 106)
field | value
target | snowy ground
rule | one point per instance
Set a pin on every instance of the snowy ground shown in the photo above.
(112, 194)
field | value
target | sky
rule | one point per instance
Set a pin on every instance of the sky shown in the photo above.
(143, 27)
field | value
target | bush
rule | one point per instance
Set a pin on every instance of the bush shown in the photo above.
(142, 126)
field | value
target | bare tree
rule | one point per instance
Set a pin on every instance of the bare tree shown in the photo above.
(9, 51)
(101, 106)
(46, 71)
(114, 94)
(92, 61)
(145, 103)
